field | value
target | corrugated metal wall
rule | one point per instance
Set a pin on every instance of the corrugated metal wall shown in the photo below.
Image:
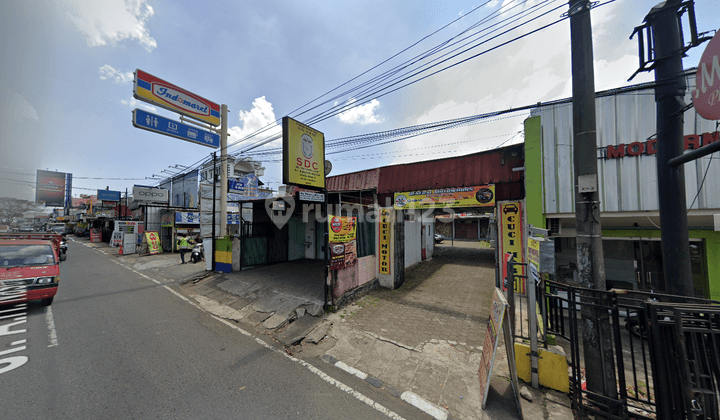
(628, 183)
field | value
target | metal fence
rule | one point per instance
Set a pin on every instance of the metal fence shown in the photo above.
(654, 341)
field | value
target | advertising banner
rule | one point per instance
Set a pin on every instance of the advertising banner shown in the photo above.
(479, 196)
(95, 235)
(156, 195)
(384, 241)
(510, 228)
(187, 217)
(246, 188)
(342, 255)
(148, 88)
(152, 122)
(105, 195)
(50, 188)
(534, 259)
(153, 241)
(342, 229)
(303, 155)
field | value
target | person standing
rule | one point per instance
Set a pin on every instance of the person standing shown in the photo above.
(183, 246)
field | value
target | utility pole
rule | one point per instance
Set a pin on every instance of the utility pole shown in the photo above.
(223, 170)
(669, 96)
(597, 339)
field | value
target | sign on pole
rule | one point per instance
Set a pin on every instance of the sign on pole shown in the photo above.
(157, 195)
(50, 188)
(156, 91)
(107, 195)
(706, 97)
(152, 122)
(303, 155)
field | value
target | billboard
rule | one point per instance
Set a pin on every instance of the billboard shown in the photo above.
(156, 91)
(157, 195)
(50, 188)
(152, 122)
(106, 195)
(482, 195)
(303, 155)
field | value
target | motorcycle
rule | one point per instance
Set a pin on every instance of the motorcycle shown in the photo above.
(63, 249)
(197, 254)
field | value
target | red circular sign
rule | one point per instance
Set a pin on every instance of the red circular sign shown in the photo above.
(336, 224)
(706, 97)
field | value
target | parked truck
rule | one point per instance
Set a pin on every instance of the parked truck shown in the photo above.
(29, 267)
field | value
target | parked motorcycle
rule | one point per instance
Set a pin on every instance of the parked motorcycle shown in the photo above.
(63, 249)
(198, 253)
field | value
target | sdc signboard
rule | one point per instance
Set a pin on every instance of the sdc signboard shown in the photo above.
(303, 155)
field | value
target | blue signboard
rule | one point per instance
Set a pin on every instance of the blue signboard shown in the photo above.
(187, 217)
(151, 122)
(105, 195)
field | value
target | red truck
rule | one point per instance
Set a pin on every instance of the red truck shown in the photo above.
(29, 267)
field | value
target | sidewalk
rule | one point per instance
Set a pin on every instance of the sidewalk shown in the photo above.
(421, 343)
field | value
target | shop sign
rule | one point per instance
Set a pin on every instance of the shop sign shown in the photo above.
(511, 232)
(157, 195)
(342, 229)
(311, 196)
(534, 259)
(706, 97)
(153, 241)
(117, 238)
(690, 142)
(167, 220)
(106, 195)
(384, 241)
(95, 235)
(152, 122)
(187, 217)
(483, 195)
(156, 91)
(303, 155)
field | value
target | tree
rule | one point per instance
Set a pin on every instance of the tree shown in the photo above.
(12, 208)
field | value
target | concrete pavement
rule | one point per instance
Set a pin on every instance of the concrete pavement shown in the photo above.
(421, 343)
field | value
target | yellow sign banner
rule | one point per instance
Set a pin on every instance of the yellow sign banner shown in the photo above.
(342, 229)
(384, 239)
(303, 155)
(511, 231)
(478, 196)
(153, 241)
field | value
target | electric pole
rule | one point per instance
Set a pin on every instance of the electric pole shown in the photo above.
(597, 339)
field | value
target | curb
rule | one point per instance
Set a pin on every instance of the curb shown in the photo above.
(407, 396)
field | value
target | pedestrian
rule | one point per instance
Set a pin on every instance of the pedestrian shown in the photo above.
(183, 246)
(198, 239)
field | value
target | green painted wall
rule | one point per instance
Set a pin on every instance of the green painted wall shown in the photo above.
(533, 173)
(711, 251)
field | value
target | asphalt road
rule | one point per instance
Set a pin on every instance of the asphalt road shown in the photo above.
(116, 345)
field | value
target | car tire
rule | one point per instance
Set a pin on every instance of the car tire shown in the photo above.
(47, 301)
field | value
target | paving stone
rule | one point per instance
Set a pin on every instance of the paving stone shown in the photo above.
(296, 331)
(377, 383)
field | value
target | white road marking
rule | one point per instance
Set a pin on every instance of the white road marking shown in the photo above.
(17, 318)
(20, 307)
(351, 370)
(51, 326)
(17, 343)
(4, 352)
(327, 378)
(417, 401)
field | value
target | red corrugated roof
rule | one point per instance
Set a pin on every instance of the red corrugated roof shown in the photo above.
(489, 167)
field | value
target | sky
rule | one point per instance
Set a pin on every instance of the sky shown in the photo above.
(66, 77)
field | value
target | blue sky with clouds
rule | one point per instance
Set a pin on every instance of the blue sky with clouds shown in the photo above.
(66, 76)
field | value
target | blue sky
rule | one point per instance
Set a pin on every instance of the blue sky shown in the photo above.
(66, 77)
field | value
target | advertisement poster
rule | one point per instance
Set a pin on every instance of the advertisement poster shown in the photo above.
(384, 241)
(50, 188)
(342, 229)
(303, 155)
(483, 195)
(342, 255)
(95, 235)
(153, 241)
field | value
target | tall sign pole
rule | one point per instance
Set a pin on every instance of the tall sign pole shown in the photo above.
(223, 169)
(669, 96)
(597, 344)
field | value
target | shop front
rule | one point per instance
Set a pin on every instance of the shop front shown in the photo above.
(627, 178)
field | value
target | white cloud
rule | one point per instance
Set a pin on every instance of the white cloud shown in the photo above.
(134, 103)
(111, 21)
(260, 116)
(108, 72)
(363, 114)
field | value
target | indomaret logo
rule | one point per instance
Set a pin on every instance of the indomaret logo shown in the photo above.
(180, 99)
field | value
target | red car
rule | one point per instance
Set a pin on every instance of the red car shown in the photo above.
(29, 267)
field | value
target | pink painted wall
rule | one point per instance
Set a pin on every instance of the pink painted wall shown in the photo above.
(349, 278)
